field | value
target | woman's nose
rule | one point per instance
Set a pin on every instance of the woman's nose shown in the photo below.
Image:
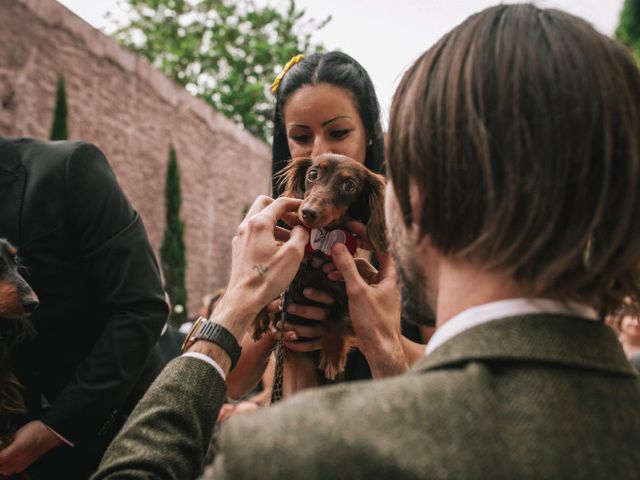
(319, 147)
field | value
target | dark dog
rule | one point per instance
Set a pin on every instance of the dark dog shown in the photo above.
(17, 302)
(335, 189)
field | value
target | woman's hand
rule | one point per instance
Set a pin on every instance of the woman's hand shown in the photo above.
(304, 338)
(230, 409)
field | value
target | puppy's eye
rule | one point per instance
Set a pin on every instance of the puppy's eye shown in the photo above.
(349, 186)
(312, 175)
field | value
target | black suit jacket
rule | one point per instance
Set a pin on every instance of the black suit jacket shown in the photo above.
(89, 260)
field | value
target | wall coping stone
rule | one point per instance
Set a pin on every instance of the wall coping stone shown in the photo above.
(56, 15)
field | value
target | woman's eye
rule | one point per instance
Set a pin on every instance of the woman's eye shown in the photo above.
(312, 175)
(339, 133)
(349, 186)
(301, 138)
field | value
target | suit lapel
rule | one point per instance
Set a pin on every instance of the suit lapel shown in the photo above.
(12, 185)
(555, 339)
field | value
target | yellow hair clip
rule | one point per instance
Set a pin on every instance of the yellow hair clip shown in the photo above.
(276, 83)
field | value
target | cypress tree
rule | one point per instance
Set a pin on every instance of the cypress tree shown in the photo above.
(628, 31)
(59, 129)
(172, 252)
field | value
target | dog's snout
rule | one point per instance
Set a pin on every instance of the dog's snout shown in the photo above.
(30, 304)
(309, 214)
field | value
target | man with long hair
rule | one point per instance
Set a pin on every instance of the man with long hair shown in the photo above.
(514, 212)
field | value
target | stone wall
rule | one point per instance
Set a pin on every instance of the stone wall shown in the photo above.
(133, 113)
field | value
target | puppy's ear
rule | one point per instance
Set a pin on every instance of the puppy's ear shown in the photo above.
(292, 177)
(376, 225)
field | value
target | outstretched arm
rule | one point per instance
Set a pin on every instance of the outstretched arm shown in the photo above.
(251, 365)
(167, 433)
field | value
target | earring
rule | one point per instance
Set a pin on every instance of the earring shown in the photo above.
(369, 142)
(587, 253)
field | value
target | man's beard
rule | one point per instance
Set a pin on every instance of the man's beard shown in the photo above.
(412, 282)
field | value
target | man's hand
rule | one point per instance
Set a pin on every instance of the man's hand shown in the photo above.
(265, 259)
(30, 442)
(374, 308)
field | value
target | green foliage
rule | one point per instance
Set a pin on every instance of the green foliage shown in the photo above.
(225, 51)
(628, 31)
(173, 251)
(59, 128)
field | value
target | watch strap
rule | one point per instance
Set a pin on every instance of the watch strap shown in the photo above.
(216, 333)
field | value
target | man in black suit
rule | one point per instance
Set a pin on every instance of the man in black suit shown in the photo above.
(102, 308)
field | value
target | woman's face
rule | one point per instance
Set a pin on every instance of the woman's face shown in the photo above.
(321, 119)
(630, 326)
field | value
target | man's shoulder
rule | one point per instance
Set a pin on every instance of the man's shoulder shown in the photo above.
(457, 419)
(42, 155)
(344, 426)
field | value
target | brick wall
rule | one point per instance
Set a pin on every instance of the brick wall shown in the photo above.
(132, 112)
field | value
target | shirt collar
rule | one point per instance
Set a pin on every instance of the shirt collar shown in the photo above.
(474, 316)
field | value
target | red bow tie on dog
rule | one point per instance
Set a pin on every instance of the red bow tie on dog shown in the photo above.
(322, 241)
(335, 189)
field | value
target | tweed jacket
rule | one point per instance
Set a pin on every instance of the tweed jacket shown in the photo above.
(529, 397)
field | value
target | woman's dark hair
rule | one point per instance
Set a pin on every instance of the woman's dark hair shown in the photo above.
(519, 134)
(339, 69)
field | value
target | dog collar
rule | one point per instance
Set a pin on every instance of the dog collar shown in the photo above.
(321, 241)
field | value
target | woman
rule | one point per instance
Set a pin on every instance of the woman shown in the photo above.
(627, 326)
(325, 103)
(310, 94)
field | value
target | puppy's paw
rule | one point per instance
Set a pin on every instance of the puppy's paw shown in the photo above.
(261, 325)
(331, 366)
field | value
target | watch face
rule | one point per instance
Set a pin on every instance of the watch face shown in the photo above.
(213, 332)
(188, 341)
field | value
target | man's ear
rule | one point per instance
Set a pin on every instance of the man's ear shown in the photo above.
(376, 225)
(293, 177)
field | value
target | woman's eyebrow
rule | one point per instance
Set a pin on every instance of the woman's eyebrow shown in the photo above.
(324, 124)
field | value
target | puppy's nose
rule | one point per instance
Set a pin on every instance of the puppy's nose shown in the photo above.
(30, 304)
(309, 214)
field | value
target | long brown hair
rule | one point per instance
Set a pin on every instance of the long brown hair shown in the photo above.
(520, 132)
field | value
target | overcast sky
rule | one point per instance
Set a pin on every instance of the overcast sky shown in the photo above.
(386, 36)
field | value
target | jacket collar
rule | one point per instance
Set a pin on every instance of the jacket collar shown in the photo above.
(510, 307)
(543, 338)
(10, 163)
(12, 186)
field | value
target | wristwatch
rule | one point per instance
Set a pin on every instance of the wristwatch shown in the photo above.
(213, 332)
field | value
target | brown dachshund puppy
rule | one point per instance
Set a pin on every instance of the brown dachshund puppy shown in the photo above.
(17, 301)
(335, 189)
